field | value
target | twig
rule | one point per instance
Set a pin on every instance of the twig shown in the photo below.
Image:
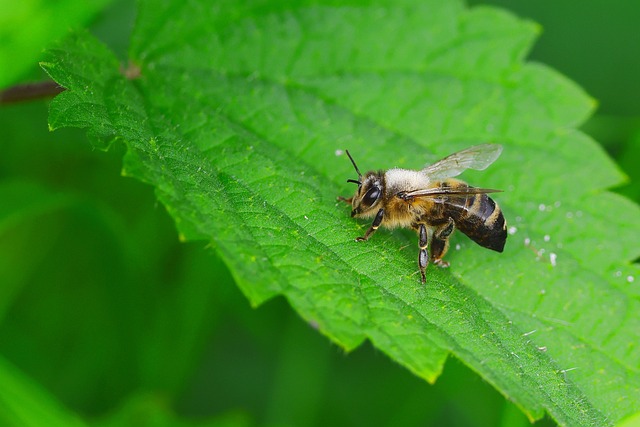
(30, 91)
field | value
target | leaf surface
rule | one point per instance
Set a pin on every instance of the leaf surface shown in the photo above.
(235, 114)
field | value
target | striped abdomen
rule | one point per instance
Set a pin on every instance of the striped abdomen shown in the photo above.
(476, 215)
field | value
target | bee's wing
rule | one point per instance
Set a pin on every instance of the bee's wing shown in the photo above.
(478, 157)
(446, 191)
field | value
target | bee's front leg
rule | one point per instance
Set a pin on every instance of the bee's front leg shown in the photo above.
(423, 256)
(344, 199)
(376, 223)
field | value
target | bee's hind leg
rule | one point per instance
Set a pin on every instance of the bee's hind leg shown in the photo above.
(440, 243)
(423, 256)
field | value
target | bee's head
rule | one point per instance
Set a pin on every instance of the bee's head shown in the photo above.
(368, 194)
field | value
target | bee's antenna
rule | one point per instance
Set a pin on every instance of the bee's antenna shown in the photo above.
(355, 166)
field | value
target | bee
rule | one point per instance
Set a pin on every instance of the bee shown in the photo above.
(432, 203)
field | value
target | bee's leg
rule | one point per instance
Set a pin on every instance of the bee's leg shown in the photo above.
(423, 256)
(440, 243)
(376, 223)
(344, 199)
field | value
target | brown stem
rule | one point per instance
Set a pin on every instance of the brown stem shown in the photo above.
(30, 91)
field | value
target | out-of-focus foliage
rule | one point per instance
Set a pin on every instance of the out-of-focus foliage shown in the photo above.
(28, 26)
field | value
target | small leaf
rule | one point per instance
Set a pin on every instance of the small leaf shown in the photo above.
(236, 116)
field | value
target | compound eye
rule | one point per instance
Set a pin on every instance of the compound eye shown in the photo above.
(371, 196)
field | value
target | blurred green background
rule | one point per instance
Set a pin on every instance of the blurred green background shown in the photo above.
(105, 314)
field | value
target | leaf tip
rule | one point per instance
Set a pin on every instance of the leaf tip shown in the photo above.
(537, 28)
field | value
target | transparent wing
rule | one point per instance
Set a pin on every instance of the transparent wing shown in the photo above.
(478, 157)
(456, 197)
(437, 192)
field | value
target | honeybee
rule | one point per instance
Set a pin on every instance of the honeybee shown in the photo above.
(432, 203)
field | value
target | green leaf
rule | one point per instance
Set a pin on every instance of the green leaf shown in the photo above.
(24, 404)
(632, 421)
(22, 203)
(27, 26)
(235, 113)
(154, 411)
